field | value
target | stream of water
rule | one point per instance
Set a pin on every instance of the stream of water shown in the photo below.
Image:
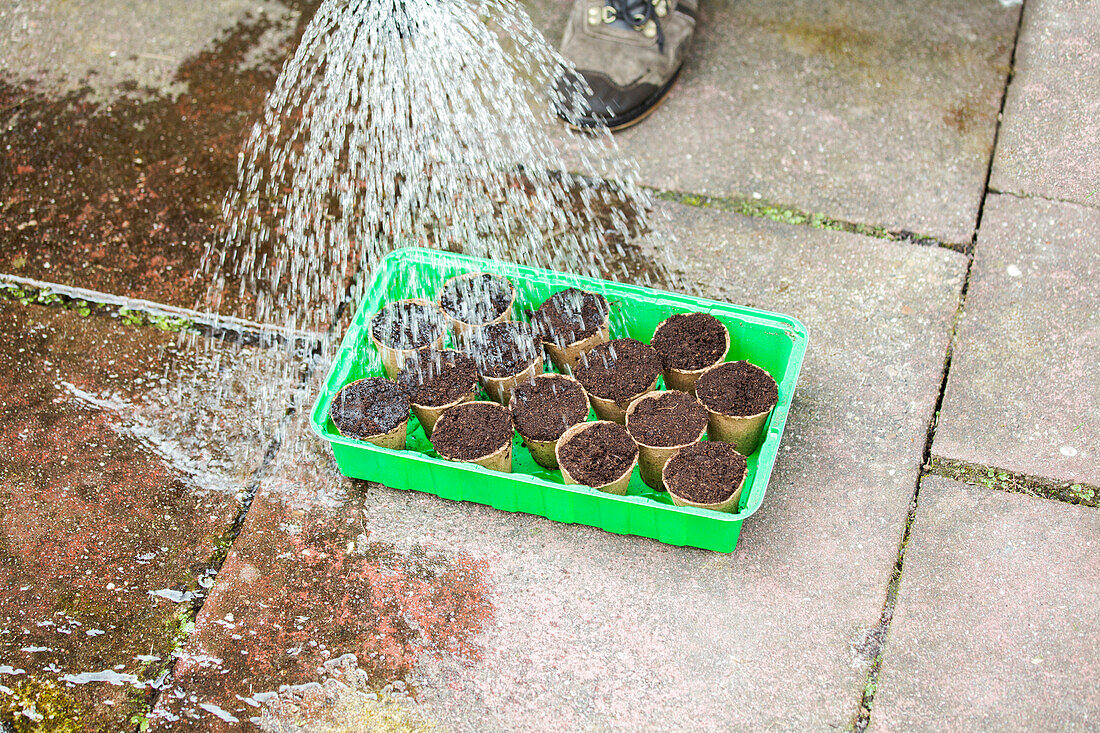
(413, 122)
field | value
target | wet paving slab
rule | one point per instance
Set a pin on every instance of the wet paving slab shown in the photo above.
(120, 482)
(122, 194)
(315, 623)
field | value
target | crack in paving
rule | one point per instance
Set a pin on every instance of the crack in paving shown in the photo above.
(135, 311)
(878, 637)
(1001, 479)
(1091, 201)
(762, 209)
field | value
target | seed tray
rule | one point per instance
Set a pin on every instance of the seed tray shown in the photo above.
(772, 341)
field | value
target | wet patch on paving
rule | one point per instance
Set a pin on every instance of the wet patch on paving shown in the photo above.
(124, 462)
(312, 616)
(124, 197)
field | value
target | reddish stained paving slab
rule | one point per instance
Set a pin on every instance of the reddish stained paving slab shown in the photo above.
(304, 585)
(123, 198)
(92, 519)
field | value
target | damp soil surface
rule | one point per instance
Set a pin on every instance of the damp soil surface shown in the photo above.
(690, 341)
(436, 378)
(407, 325)
(618, 370)
(673, 418)
(472, 430)
(570, 315)
(598, 455)
(476, 299)
(545, 408)
(369, 407)
(705, 473)
(504, 349)
(737, 388)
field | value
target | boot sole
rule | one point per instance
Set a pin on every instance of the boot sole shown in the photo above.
(629, 120)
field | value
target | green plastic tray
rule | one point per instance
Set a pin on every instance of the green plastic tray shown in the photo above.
(775, 342)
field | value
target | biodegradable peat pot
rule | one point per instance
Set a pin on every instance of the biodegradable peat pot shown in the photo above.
(543, 409)
(706, 475)
(615, 374)
(474, 300)
(372, 409)
(403, 327)
(689, 344)
(599, 454)
(739, 396)
(475, 432)
(571, 323)
(662, 423)
(435, 381)
(506, 354)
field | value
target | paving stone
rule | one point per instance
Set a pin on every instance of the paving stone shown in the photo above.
(604, 631)
(123, 197)
(304, 587)
(123, 47)
(879, 113)
(1024, 390)
(117, 486)
(1047, 143)
(994, 625)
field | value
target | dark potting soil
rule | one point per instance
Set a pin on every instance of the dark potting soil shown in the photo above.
(690, 341)
(504, 349)
(737, 388)
(478, 299)
(705, 473)
(369, 407)
(618, 370)
(405, 325)
(472, 430)
(598, 455)
(674, 418)
(570, 315)
(544, 408)
(436, 378)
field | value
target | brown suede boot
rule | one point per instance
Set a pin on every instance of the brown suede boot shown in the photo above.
(627, 54)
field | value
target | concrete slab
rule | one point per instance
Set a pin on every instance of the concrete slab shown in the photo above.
(314, 620)
(115, 495)
(1024, 390)
(877, 113)
(1047, 144)
(993, 628)
(600, 631)
(124, 196)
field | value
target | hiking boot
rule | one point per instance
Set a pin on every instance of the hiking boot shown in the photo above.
(629, 52)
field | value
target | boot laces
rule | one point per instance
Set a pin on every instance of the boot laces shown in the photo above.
(638, 13)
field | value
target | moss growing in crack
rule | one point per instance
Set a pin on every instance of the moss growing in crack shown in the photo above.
(41, 705)
(164, 323)
(788, 215)
(999, 479)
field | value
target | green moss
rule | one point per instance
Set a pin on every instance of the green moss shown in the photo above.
(44, 296)
(790, 215)
(41, 705)
(1001, 480)
(162, 323)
